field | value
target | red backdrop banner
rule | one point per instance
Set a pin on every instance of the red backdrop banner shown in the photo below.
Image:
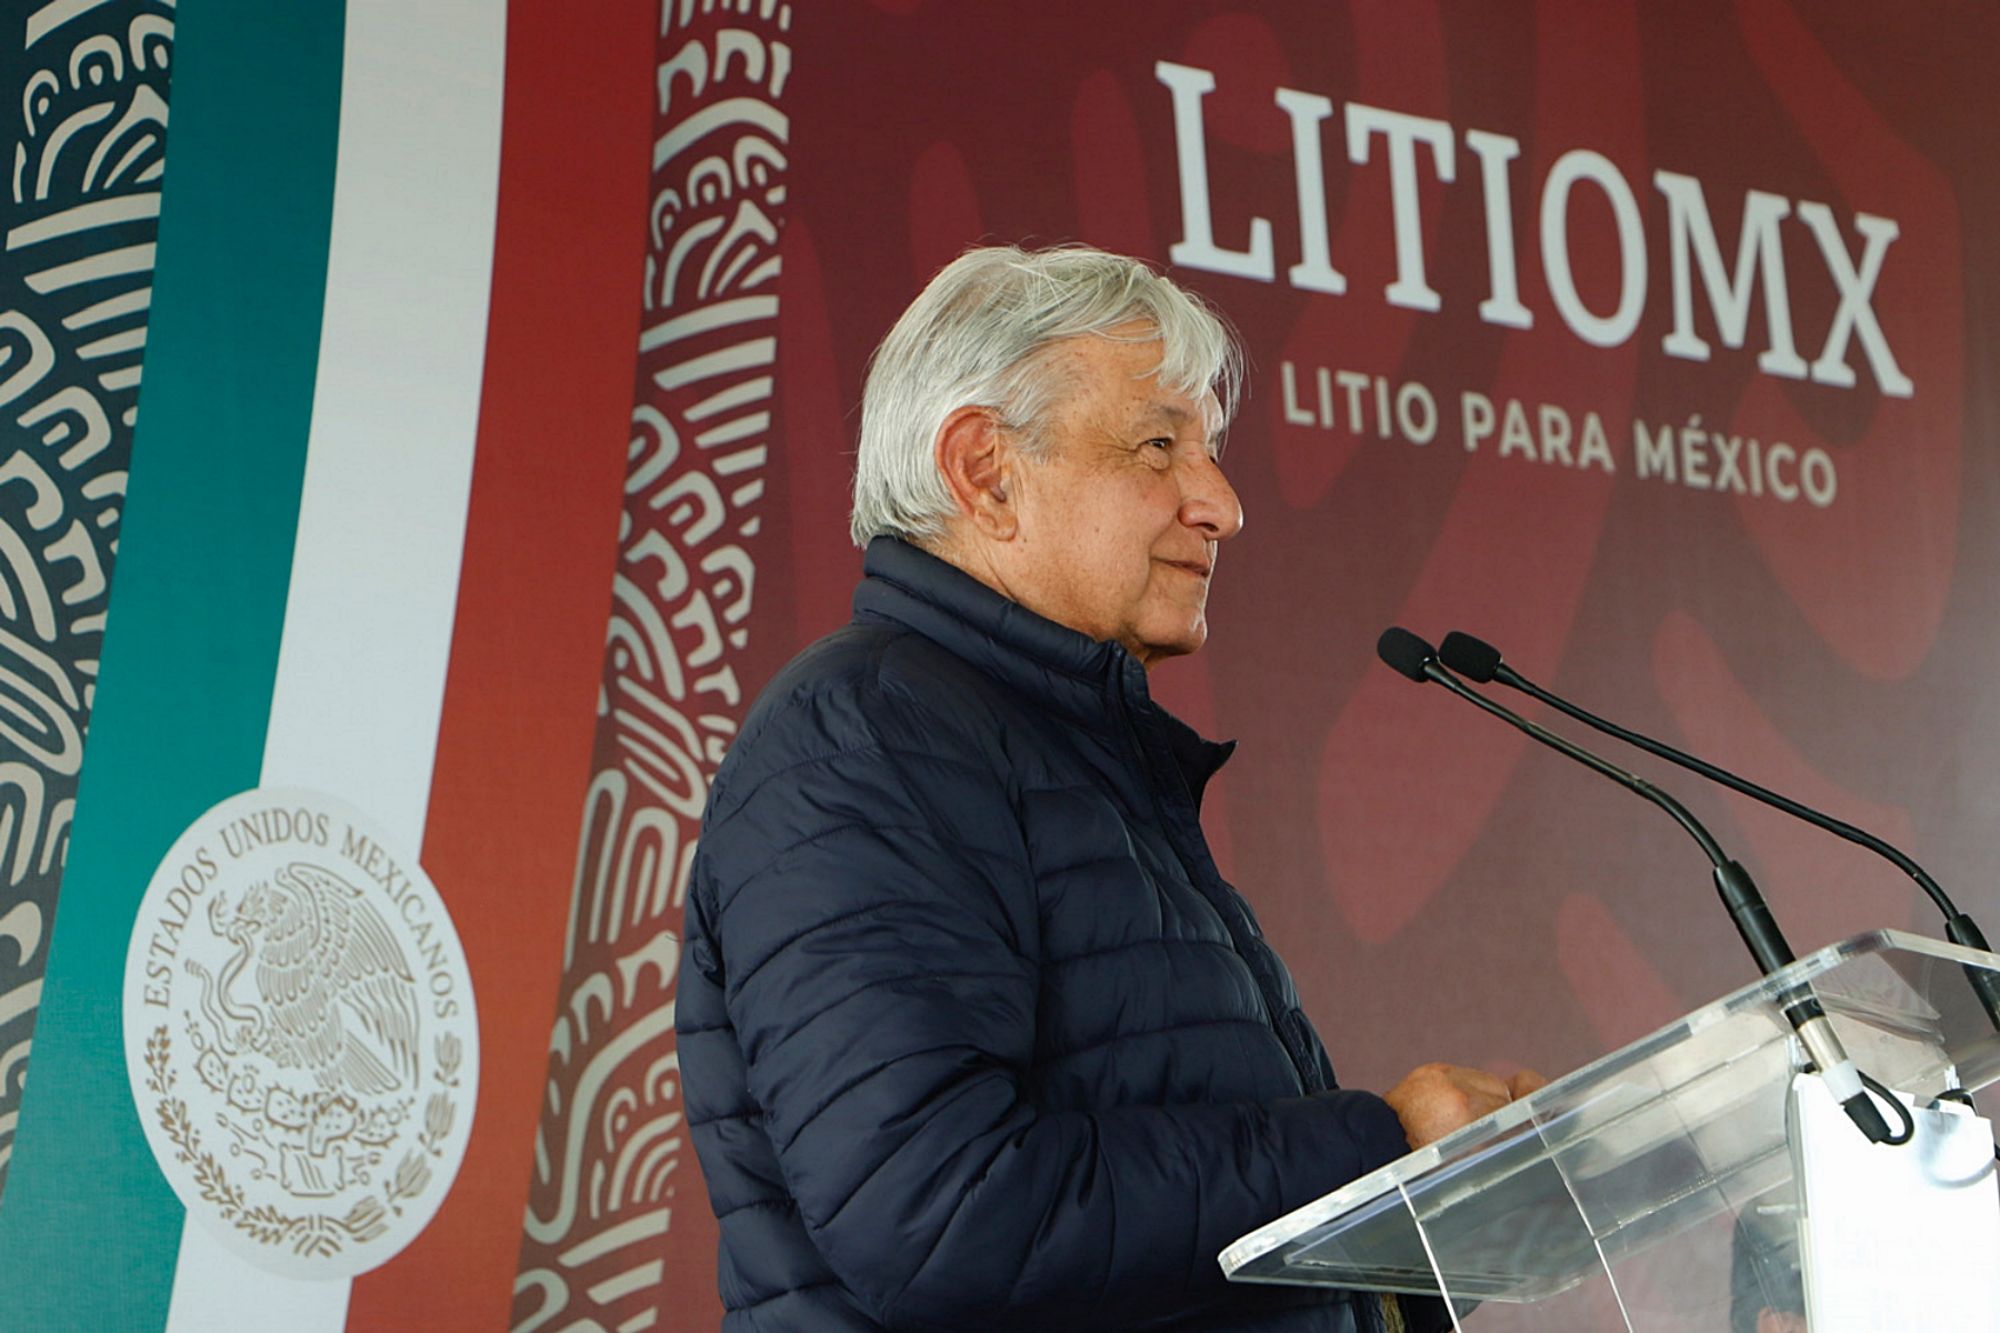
(1650, 343)
(1643, 342)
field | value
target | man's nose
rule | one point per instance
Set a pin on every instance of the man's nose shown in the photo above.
(1209, 502)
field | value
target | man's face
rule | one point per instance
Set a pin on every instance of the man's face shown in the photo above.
(1119, 521)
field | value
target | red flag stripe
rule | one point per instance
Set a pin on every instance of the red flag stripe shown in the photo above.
(541, 542)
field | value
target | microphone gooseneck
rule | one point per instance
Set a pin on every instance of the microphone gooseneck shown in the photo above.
(1411, 656)
(1480, 661)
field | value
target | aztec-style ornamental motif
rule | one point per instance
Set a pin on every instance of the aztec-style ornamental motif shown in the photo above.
(613, 1165)
(83, 105)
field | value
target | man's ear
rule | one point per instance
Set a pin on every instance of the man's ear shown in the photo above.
(977, 461)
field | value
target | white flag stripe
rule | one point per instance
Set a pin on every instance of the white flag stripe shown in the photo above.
(374, 579)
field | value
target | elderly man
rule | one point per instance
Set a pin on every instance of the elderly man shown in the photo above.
(973, 1034)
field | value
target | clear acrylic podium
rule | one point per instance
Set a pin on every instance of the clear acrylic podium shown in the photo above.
(1655, 1189)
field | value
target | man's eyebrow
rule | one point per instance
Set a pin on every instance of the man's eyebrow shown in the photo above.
(1171, 413)
(1179, 418)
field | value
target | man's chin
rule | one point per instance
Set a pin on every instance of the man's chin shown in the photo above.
(1151, 652)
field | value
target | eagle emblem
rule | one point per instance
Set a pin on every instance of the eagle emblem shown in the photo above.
(335, 998)
(300, 1033)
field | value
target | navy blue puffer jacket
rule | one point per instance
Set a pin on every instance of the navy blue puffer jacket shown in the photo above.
(972, 1033)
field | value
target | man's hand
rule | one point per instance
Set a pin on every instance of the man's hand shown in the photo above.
(1433, 1100)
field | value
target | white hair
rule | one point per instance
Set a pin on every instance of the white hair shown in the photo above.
(978, 335)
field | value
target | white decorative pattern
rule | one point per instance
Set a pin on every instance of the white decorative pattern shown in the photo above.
(88, 84)
(612, 1143)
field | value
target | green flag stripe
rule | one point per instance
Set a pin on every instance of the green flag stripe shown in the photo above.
(89, 1228)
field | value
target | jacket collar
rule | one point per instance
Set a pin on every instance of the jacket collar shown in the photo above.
(1074, 676)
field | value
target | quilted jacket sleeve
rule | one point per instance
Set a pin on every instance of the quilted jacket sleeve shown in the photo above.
(876, 935)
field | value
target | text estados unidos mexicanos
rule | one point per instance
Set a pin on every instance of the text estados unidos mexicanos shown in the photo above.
(276, 827)
(1760, 253)
(1687, 453)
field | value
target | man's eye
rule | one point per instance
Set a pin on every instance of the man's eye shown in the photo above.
(1162, 442)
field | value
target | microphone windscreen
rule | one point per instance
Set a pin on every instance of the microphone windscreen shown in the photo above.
(1403, 651)
(1475, 659)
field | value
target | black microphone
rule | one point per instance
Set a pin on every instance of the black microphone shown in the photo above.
(1411, 656)
(1480, 661)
